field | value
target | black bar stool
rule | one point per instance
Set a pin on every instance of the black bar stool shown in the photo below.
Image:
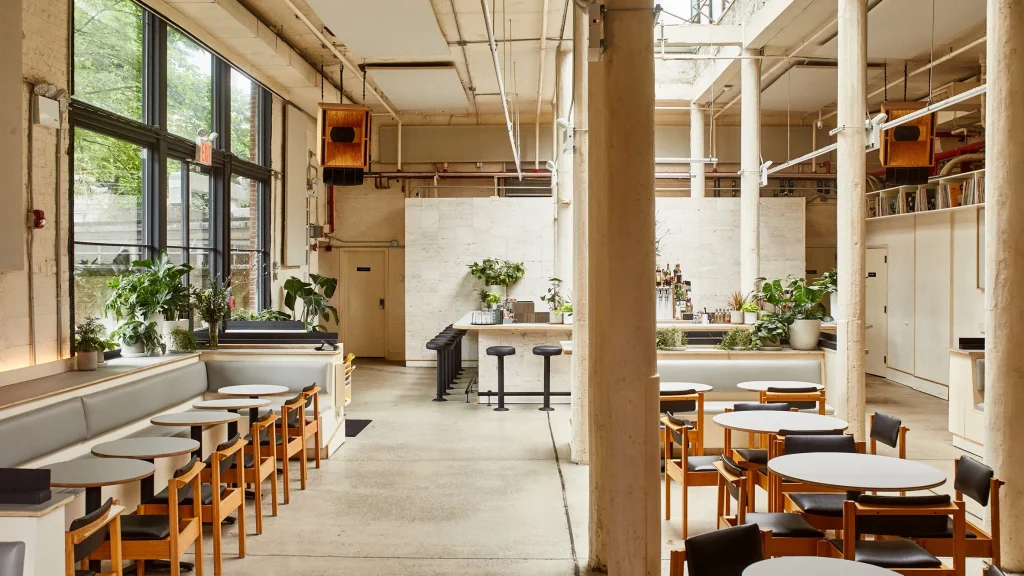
(441, 344)
(501, 352)
(547, 351)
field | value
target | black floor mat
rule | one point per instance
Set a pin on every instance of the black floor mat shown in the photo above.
(354, 427)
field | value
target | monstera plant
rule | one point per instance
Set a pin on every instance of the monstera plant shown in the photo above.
(314, 296)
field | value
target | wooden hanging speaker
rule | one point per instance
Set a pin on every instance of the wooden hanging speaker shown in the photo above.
(907, 151)
(344, 149)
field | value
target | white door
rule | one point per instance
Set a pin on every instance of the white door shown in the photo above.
(876, 302)
(364, 276)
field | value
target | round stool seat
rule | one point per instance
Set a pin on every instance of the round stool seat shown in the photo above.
(547, 350)
(439, 343)
(501, 351)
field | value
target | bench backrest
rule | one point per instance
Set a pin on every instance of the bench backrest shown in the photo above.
(296, 375)
(121, 405)
(724, 375)
(40, 432)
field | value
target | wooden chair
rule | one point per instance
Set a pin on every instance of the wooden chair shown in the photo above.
(725, 552)
(165, 536)
(288, 444)
(978, 482)
(818, 504)
(754, 456)
(687, 470)
(784, 534)
(220, 496)
(807, 398)
(686, 402)
(891, 517)
(889, 431)
(88, 533)
(350, 367)
(257, 466)
(305, 427)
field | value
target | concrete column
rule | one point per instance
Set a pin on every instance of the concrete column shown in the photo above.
(1004, 271)
(697, 151)
(579, 444)
(625, 527)
(563, 161)
(851, 170)
(750, 163)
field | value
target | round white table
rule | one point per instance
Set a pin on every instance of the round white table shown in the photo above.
(771, 421)
(254, 391)
(764, 385)
(233, 405)
(195, 421)
(147, 449)
(857, 473)
(667, 387)
(813, 566)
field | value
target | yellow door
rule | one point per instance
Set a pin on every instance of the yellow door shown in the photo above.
(364, 277)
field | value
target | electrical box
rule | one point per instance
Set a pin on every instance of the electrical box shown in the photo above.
(46, 112)
(595, 48)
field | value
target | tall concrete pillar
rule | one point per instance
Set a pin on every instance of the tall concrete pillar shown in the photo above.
(564, 260)
(579, 444)
(697, 151)
(1004, 271)
(625, 527)
(750, 163)
(851, 170)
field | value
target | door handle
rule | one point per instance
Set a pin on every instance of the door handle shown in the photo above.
(381, 303)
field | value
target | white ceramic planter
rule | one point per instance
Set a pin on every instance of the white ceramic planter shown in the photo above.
(749, 317)
(132, 351)
(803, 334)
(169, 326)
(499, 290)
(736, 316)
(555, 318)
(87, 360)
(566, 318)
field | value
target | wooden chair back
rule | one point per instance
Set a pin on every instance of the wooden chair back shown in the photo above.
(88, 533)
(796, 398)
(686, 399)
(223, 461)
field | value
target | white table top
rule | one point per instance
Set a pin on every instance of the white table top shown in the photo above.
(96, 472)
(680, 386)
(771, 421)
(199, 418)
(813, 566)
(253, 390)
(857, 472)
(764, 385)
(239, 403)
(145, 448)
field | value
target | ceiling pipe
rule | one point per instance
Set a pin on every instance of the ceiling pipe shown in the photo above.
(416, 175)
(948, 168)
(540, 81)
(489, 24)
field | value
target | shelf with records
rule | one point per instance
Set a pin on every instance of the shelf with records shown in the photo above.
(952, 192)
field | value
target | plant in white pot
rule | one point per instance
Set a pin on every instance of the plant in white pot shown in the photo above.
(497, 275)
(567, 313)
(140, 338)
(807, 312)
(828, 282)
(768, 332)
(736, 302)
(89, 343)
(750, 311)
(555, 301)
(150, 292)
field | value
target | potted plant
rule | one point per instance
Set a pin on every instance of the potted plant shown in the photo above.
(670, 339)
(828, 282)
(735, 339)
(555, 300)
(140, 338)
(497, 275)
(314, 297)
(806, 313)
(567, 313)
(768, 332)
(750, 311)
(183, 340)
(736, 302)
(89, 343)
(211, 305)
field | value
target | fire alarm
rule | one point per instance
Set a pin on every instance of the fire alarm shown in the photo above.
(38, 219)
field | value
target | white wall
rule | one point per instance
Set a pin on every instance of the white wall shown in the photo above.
(933, 298)
(702, 235)
(444, 235)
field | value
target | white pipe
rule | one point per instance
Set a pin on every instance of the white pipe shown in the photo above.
(501, 84)
(686, 160)
(931, 108)
(340, 56)
(948, 168)
(540, 82)
(809, 156)
(399, 145)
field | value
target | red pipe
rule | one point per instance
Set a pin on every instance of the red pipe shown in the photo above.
(330, 208)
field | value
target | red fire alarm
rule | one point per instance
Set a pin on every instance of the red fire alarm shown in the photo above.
(38, 219)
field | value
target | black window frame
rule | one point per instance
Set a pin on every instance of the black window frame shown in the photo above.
(160, 145)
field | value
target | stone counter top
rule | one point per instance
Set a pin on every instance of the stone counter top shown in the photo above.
(466, 323)
(710, 352)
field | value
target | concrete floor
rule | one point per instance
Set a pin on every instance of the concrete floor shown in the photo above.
(454, 488)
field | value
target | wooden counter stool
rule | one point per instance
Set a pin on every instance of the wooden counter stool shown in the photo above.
(547, 351)
(87, 534)
(501, 352)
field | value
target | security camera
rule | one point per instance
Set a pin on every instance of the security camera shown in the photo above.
(562, 123)
(550, 166)
(820, 124)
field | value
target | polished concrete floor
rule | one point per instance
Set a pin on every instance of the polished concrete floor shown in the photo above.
(455, 488)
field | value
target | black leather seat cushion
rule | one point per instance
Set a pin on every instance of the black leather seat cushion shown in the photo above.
(84, 573)
(206, 497)
(753, 455)
(547, 350)
(702, 463)
(784, 525)
(137, 527)
(830, 505)
(500, 351)
(899, 553)
(725, 552)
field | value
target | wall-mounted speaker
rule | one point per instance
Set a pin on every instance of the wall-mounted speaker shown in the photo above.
(344, 143)
(907, 151)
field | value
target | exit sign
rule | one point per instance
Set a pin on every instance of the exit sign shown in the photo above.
(204, 151)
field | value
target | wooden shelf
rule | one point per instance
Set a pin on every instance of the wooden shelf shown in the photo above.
(913, 200)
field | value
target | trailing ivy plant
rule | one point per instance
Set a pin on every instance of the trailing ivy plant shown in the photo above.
(495, 272)
(135, 332)
(184, 340)
(735, 339)
(314, 297)
(769, 329)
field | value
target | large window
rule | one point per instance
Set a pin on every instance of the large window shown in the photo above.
(141, 92)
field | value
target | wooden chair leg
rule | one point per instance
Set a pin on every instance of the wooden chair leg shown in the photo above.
(303, 468)
(273, 490)
(217, 551)
(258, 490)
(287, 491)
(668, 480)
(316, 437)
(199, 552)
(241, 527)
(685, 502)
(140, 567)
